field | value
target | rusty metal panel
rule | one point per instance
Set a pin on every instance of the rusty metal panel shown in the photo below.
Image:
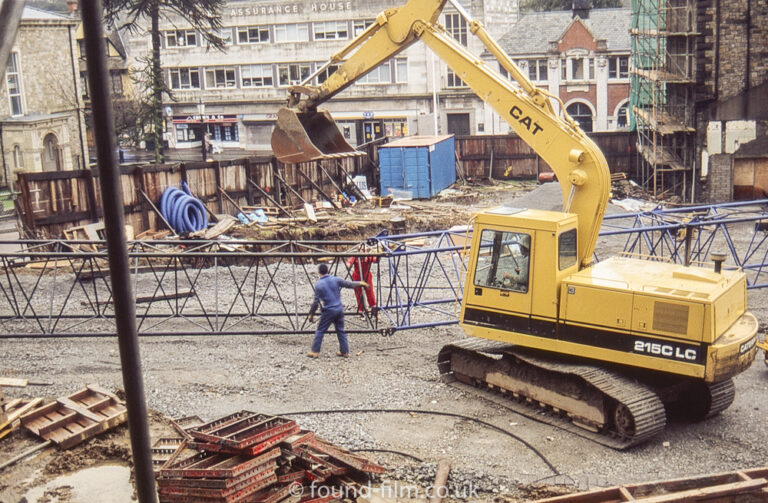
(213, 465)
(344, 456)
(244, 429)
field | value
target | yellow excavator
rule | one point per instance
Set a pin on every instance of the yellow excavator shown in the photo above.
(614, 347)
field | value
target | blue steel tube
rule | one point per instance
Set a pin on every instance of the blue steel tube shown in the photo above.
(114, 227)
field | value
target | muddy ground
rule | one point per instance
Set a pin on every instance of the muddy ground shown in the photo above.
(395, 380)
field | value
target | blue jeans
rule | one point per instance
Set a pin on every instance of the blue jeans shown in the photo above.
(326, 318)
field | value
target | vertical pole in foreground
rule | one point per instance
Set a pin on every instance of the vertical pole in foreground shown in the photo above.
(114, 226)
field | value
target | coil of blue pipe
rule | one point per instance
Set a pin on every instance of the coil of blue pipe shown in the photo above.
(182, 210)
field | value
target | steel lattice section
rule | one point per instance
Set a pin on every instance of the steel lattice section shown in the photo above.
(198, 287)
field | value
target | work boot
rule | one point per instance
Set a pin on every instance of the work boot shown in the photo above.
(312, 354)
(343, 355)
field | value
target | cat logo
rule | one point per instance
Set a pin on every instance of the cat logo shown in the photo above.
(517, 113)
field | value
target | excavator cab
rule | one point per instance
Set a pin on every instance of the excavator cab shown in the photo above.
(307, 136)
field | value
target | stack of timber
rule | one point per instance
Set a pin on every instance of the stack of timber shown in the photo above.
(11, 410)
(251, 457)
(743, 485)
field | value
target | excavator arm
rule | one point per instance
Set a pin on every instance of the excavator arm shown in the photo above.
(578, 163)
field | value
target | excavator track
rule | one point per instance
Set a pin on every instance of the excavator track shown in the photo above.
(593, 402)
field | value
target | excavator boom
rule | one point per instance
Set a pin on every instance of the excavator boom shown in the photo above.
(302, 133)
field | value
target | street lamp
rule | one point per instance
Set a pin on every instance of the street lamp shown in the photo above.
(201, 111)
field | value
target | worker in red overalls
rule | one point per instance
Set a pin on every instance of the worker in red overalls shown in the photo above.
(360, 270)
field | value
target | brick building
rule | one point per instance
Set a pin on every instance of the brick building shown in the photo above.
(41, 122)
(699, 92)
(732, 99)
(581, 56)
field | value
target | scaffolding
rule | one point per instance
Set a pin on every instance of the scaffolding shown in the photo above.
(662, 94)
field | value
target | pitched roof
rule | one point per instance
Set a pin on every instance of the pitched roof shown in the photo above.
(33, 13)
(533, 31)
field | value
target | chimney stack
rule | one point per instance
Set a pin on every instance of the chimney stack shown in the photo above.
(581, 8)
(72, 7)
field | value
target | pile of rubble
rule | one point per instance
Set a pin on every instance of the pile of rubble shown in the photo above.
(250, 457)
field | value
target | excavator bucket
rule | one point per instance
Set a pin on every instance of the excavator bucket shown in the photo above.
(306, 136)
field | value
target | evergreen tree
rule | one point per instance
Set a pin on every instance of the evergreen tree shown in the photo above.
(549, 5)
(203, 15)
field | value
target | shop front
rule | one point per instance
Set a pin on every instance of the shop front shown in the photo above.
(222, 129)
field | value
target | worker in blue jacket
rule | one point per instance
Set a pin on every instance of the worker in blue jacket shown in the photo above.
(328, 296)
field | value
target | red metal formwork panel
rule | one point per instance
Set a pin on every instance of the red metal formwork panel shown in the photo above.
(344, 456)
(237, 492)
(243, 429)
(252, 450)
(163, 449)
(318, 463)
(216, 483)
(213, 465)
(271, 495)
(300, 438)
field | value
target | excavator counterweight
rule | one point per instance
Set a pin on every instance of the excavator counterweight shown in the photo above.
(306, 136)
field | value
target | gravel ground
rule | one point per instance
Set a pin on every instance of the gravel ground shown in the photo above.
(211, 376)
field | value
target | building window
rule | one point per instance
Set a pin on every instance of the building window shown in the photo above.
(252, 34)
(292, 74)
(13, 82)
(579, 69)
(84, 84)
(622, 116)
(396, 127)
(291, 33)
(256, 76)
(360, 26)
(218, 78)
(582, 114)
(185, 78)
(331, 30)
(401, 70)
(180, 38)
(18, 158)
(382, 74)
(323, 76)
(456, 26)
(618, 67)
(453, 80)
(116, 83)
(537, 70)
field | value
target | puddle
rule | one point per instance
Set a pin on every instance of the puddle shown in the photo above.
(105, 484)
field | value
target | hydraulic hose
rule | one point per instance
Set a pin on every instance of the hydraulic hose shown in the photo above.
(530, 447)
(183, 211)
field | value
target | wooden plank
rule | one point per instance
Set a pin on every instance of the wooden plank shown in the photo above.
(732, 489)
(13, 382)
(16, 414)
(71, 404)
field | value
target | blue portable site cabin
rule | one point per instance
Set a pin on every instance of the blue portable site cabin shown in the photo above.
(419, 165)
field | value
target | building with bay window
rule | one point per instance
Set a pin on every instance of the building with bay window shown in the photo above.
(42, 127)
(581, 56)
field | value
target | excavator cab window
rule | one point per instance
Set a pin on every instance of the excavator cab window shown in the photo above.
(503, 262)
(566, 249)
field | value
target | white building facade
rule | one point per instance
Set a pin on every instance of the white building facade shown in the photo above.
(274, 45)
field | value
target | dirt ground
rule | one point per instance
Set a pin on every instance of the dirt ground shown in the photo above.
(381, 398)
